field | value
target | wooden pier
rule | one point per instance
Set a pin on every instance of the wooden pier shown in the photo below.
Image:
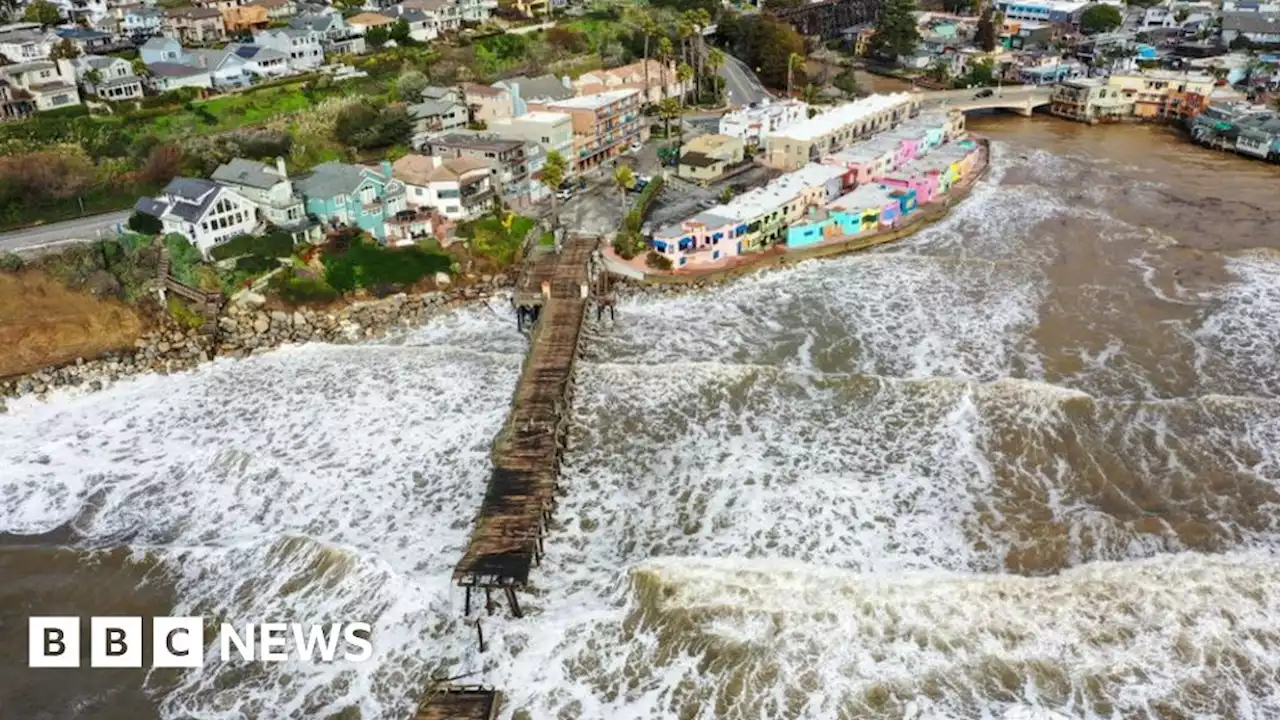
(507, 539)
(460, 702)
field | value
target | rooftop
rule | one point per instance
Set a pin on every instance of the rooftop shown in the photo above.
(847, 114)
(368, 18)
(597, 101)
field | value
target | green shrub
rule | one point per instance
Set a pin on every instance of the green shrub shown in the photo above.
(65, 113)
(183, 314)
(365, 264)
(624, 245)
(145, 224)
(10, 262)
(184, 258)
(657, 261)
(295, 289)
(274, 245)
(256, 265)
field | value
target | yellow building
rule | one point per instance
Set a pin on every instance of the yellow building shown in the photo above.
(708, 157)
(1163, 93)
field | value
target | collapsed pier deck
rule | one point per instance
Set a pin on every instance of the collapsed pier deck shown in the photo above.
(506, 540)
(466, 702)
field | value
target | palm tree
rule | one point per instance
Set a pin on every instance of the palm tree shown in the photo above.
(665, 52)
(715, 61)
(685, 33)
(792, 60)
(684, 74)
(668, 110)
(810, 94)
(554, 170)
(624, 179)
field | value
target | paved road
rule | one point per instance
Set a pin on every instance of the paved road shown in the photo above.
(79, 230)
(740, 83)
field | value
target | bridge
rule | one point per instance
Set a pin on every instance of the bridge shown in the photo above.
(1022, 99)
(827, 19)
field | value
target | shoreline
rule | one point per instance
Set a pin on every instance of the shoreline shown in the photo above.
(245, 330)
(779, 256)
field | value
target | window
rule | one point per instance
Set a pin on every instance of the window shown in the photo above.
(418, 191)
(340, 199)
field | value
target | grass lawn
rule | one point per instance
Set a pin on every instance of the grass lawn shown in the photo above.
(491, 240)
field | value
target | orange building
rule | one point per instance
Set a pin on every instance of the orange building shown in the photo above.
(245, 18)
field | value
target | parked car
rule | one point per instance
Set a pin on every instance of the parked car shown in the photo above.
(705, 204)
(636, 147)
(985, 93)
(564, 194)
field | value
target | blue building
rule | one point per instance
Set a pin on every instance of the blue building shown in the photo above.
(346, 195)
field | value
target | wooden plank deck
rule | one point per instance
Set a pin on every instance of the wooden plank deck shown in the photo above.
(506, 540)
(469, 702)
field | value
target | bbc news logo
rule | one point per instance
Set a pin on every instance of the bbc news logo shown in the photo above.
(179, 642)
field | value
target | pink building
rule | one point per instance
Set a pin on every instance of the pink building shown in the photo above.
(924, 182)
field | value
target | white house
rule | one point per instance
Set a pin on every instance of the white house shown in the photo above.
(226, 69)
(261, 61)
(421, 28)
(551, 130)
(457, 188)
(26, 45)
(271, 190)
(103, 76)
(91, 11)
(48, 88)
(304, 46)
(204, 212)
(167, 76)
(142, 22)
(476, 11)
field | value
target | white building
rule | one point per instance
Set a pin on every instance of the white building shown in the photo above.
(261, 62)
(48, 88)
(457, 188)
(26, 44)
(421, 27)
(550, 130)
(271, 190)
(303, 46)
(103, 76)
(202, 211)
(476, 10)
(166, 76)
(753, 124)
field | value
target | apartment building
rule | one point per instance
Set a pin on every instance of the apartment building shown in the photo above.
(1164, 94)
(604, 124)
(507, 157)
(753, 124)
(457, 188)
(553, 131)
(808, 140)
(488, 103)
(654, 79)
(1090, 100)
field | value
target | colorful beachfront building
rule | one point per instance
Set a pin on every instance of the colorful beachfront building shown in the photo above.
(750, 221)
(890, 199)
(868, 186)
(801, 143)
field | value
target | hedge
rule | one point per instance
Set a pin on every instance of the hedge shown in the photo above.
(366, 265)
(635, 218)
(275, 245)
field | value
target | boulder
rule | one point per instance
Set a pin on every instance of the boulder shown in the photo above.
(442, 279)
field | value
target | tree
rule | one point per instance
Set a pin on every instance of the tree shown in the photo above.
(144, 224)
(938, 71)
(43, 12)
(349, 5)
(981, 74)
(986, 36)
(377, 36)
(64, 50)
(625, 180)
(399, 32)
(684, 73)
(668, 110)
(139, 67)
(1098, 18)
(554, 171)
(1181, 14)
(410, 85)
(896, 32)
(715, 61)
(793, 60)
(847, 82)
(93, 76)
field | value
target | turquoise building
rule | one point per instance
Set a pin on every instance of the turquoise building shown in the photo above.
(346, 195)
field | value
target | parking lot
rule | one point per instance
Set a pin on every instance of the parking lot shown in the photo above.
(680, 198)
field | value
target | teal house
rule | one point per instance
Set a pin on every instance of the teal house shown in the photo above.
(346, 195)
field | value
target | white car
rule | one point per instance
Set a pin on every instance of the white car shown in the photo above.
(564, 194)
(636, 147)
